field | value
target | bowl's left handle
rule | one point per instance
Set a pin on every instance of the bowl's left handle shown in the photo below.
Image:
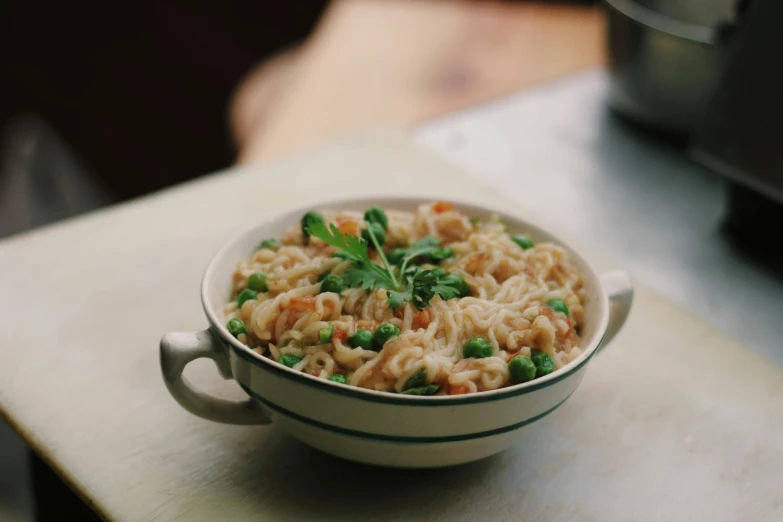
(180, 348)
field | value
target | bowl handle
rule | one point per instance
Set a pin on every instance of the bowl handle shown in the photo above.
(619, 288)
(180, 348)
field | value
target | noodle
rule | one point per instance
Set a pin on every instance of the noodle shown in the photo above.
(510, 287)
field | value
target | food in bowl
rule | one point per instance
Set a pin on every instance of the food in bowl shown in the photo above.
(430, 302)
(360, 423)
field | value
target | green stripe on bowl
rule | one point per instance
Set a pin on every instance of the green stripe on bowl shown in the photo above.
(399, 438)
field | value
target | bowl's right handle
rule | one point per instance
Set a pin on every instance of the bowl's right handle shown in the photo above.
(618, 286)
(180, 348)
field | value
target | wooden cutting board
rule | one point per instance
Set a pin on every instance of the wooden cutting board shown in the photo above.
(674, 422)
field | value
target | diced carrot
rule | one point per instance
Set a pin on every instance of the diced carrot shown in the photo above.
(458, 390)
(315, 374)
(421, 319)
(339, 334)
(442, 206)
(302, 304)
(348, 226)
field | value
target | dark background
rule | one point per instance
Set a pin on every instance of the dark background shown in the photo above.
(102, 101)
(137, 91)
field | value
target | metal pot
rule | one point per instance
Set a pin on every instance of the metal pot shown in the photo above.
(665, 57)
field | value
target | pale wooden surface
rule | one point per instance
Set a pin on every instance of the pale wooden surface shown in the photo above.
(397, 62)
(674, 422)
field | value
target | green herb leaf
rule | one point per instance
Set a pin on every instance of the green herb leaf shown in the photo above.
(269, 243)
(430, 389)
(419, 286)
(416, 380)
(365, 277)
(397, 299)
(352, 247)
(445, 291)
(341, 254)
(422, 283)
(427, 242)
(438, 254)
(365, 274)
(426, 250)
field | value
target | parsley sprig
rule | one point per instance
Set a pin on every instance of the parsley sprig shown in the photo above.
(427, 249)
(411, 284)
(421, 286)
(365, 273)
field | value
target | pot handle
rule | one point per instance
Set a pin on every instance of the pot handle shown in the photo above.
(619, 288)
(180, 348)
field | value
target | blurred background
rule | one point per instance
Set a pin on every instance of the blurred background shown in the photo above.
(106, 101)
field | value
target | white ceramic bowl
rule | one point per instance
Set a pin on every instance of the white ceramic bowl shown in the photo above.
(369, 426)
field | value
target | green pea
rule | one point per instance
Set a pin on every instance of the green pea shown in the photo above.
(438, 255)
(322, 276)
(543, 362)
(383, 334)
(396, 256)
(325, 334)
(257, 282)
(377, 215)
(477, 347)
(521, 369)
(380, 235)
(310, 218)
(289, 360)
(336, 377)
(236, 326)
(269, 243)
(523, 241)
(417, 380)
(332, 283)
(547, 366)
(246, 295)
(430, 389)
(456, 282)
(362, 338)
(558, 305)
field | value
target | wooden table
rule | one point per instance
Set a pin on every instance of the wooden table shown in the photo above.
(397, 62)
(85, 302)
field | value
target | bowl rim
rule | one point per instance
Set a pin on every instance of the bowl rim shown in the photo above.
(253, 357)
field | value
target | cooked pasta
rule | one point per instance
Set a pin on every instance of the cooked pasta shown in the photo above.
(481, 309)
